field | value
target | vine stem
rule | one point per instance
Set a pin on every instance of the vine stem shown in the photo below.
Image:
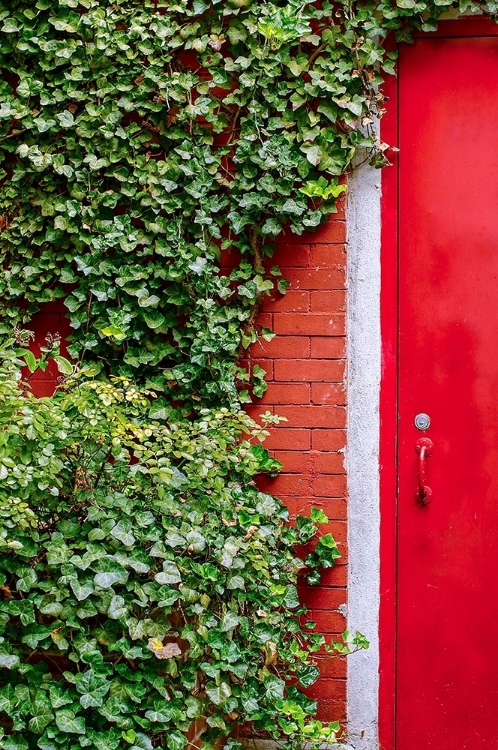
(258, 265)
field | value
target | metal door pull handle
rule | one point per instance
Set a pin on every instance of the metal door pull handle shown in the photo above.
(423, 447)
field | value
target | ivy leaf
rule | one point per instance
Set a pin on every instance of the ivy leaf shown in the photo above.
(122, 532)
(14, 743)
(308, 675)
(66, 119)
(81, 590)
(142, 742)
(64, 365)
(218, 694)
(26, 580)
(196, 541)
(176, 740)
(274, 687)
(170, 574)
(58, 697)
(313, 153)
(68, 722)
(112, 572)
(7, 699)
(10, 26)
(30, 360)
(318, 516)
(229, 622)
(39, 722)
(9, 661)
(236, 582)
(117, 608)
(93, 688)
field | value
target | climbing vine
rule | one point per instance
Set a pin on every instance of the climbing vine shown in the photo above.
(147, 583)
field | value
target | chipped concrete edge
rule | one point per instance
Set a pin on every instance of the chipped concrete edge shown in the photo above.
(362, 457)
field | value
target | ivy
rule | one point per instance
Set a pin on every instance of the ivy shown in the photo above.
(148, 591)
(139, 140)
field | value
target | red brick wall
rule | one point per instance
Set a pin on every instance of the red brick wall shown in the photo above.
(306, 370)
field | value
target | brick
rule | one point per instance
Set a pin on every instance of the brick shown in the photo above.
(295, 462)
(51, 373)
(329, 463)
(317, 324)
(328, 393)
(328, 278)
(285, 484)
(332, 710)
(309, 370)
(321, 597)
(324, 689)
(333, 230)
(56, 306)
(328, 256)
(312, 462)
(297, 506)
(265, 320)
(283, 346)
(230, 259)
(329, 301)
(334, 507)
(286, 393)
(331, 665)
(328, 347)
(292, 301)
(284, 438)
(344, 558)
(43, 323)
(313, 416)
(336, 576)
(328, 440)
(333, 485)
(327, 621)
(265, 364)
(291, 255)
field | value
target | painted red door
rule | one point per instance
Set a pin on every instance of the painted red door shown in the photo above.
(447, 608)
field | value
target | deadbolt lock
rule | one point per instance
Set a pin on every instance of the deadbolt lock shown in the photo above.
(422, 421)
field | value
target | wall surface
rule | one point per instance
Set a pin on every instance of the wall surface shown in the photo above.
(328, 388)
(306, 371)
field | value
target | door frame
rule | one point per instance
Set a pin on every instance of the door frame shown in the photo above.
(467, 26)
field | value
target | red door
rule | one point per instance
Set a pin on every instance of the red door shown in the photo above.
(447, 607)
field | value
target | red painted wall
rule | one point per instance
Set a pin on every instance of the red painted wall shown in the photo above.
(306, 372)
(51, 320)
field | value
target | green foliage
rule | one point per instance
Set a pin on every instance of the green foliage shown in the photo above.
(146, 581)
(138, 140)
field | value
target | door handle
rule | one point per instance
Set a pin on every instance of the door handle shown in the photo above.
(423, 447)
